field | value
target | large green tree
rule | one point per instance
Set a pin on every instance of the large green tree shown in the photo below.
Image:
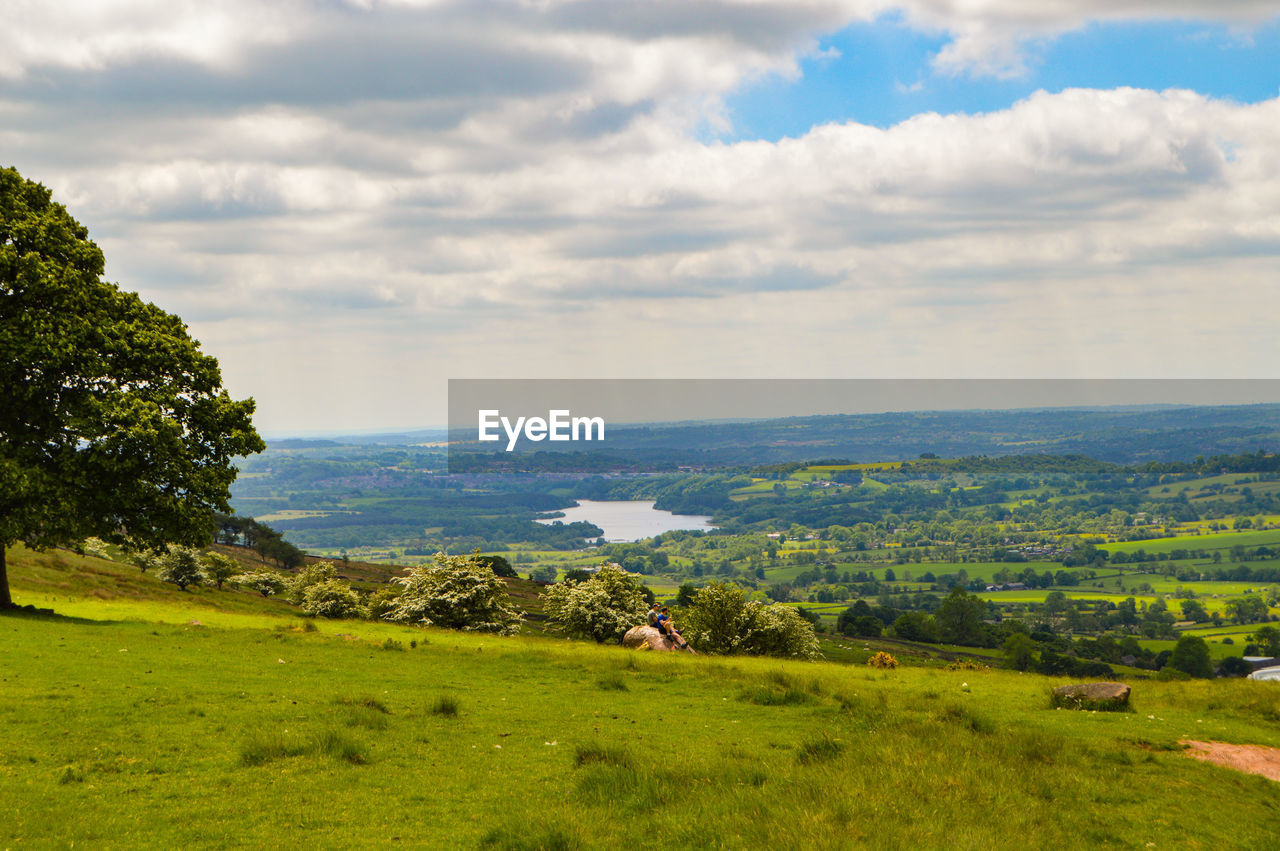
(960, 617)
(1191, 655)
(113, 423)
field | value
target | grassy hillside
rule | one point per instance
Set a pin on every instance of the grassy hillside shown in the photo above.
(124, 724)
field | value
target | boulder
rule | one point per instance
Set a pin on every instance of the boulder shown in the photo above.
(650, 638)
(1105, 697)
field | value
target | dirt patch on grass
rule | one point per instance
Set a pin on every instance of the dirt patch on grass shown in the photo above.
(1253, 759)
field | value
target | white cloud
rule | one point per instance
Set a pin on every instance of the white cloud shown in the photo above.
(392, 193)
(619, 36)
(987, 35)
(93, 34)
(1080, 233)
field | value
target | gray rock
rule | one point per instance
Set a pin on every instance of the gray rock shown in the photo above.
(1105, 697)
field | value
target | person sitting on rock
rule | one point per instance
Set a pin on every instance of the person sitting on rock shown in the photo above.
(668, 629)
(654, 612)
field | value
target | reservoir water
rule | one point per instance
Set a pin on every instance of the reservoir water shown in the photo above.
(630, 520)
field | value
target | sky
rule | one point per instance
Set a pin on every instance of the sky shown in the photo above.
(352, 201)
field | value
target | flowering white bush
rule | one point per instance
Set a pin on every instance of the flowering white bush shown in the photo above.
(265, 582)
(144, 560)
(311, 574)
(181, 566)
(455, 592)
(96, 547)
(723, 620)
(219, 568)
(780, 630)
(719, 619)
(602, 607)
(332, 598)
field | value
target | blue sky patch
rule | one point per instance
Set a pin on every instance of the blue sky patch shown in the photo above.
(883, 73)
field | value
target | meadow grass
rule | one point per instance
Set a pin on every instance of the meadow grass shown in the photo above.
(1205, 541)
(152, 733)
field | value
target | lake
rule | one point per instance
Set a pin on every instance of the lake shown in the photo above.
(630, 520)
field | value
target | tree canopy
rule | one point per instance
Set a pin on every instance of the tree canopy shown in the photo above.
(602, 607)
(723, 620)
(455, 592)
(114, 423)
(1191, 656)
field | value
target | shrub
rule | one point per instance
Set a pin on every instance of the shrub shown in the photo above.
(265, 582)
(332, 599)
(499, 565)
(382, 602)
(1168, 672)
(1234, 666)
(543, 574)
(720, 619)
(455, 592)
(602, 607)
(967, 665)
(782, 631)
(144, 560)
(445, 705)
(181, 566)
(883, 661)
(723, 620)
(311, 574)
(95, 547)
(219, 568)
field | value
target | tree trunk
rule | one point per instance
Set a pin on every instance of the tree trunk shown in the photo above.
(6, 601)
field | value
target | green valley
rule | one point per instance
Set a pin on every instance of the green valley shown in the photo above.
(143, 716)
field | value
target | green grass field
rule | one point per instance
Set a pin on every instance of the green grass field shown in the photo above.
(144, 734)
(1206, 541)
(122, 723)
(1225, 480)
(1239, 633)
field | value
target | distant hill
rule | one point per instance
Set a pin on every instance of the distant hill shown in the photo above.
(301, 443)
(1122, 435)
